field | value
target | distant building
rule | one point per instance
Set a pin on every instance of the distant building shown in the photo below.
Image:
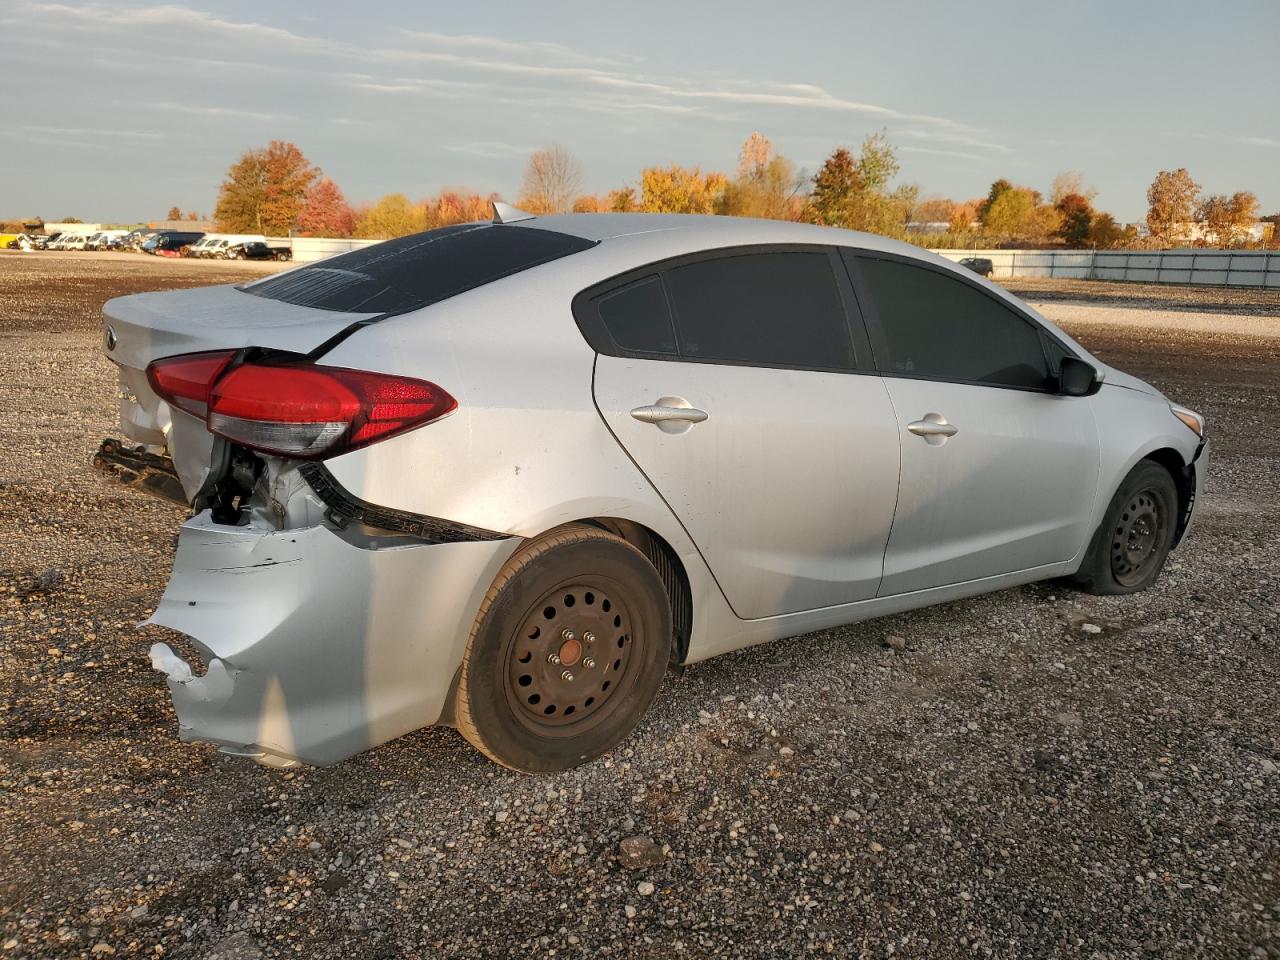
(1199, 232)
(932, 226)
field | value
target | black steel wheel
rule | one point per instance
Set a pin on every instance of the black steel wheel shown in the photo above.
(567, 653)
(1130, 547)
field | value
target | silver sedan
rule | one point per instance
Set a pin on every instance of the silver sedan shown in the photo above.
(504, 475)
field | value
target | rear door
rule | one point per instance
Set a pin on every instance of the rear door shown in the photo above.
(740, 383)
(998, 469)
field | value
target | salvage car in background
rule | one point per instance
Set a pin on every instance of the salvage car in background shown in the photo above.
(170, 243)
(257, 250)
(502, 475)
(982, 266)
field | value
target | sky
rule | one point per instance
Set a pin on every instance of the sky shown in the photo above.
(114, 112)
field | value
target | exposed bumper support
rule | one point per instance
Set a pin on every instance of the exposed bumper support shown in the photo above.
(317, 648)
(137, 468)
(1196, 472)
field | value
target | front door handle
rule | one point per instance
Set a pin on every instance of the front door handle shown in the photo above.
(934, 428)
(670, 414)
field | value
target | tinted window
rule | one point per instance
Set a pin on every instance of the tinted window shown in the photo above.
(779, 309)
(637, 318)
(937, 326)
(411, 272)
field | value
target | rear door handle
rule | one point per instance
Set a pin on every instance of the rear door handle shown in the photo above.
(670, 414)
(934, 428)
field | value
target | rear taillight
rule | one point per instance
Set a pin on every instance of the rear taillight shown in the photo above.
(184, 381)
(295, 408)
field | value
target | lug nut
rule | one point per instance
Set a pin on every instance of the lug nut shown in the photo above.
(553, 658)
(589, 637)
(566, 676)
(588, 663)
(567, 634)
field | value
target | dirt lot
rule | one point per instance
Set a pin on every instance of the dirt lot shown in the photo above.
(1014, 783)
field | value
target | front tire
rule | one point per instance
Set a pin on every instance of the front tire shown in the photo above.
(1130, 547)
(567, 652)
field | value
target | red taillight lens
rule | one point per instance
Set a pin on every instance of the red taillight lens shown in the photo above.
(300, 410)
(185, 381)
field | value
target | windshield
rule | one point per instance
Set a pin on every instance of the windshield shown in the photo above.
(407, 273)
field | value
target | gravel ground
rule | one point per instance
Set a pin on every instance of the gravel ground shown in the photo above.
(1034, 773)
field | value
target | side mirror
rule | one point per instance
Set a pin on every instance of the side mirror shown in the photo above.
(1077, 378)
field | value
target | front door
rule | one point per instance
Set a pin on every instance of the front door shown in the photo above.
(999, 470)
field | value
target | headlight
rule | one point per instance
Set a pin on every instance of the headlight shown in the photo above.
(1193, 420)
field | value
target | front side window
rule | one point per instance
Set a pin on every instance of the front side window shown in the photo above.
(779, 309)
(939, 327)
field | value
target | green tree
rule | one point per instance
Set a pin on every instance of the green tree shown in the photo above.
(392, 216)
(1011, 213)
(998, 189)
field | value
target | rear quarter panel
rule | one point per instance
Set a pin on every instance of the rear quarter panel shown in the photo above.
(526, 450)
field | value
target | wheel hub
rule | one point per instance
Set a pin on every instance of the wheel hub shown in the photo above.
(570, 655)
(1133, 546)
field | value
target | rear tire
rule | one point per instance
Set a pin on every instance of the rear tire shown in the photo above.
(567, 652)
(1130, 547)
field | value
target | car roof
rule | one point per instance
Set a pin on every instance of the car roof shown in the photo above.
(719, 230)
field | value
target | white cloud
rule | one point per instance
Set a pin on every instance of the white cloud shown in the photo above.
(551, 74)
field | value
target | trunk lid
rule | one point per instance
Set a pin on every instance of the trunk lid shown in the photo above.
(147, 326)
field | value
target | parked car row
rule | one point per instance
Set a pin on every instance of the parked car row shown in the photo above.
(164, 243)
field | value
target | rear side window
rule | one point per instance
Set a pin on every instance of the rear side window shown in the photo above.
(935, 326)
(399, 275)
(637, 318)
(780, 309)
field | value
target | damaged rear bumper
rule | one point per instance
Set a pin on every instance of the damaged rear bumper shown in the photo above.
(319, 643)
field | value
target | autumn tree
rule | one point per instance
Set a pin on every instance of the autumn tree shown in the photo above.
(1077, 218)
(1171, 201)
(392, 216)
(458, 206)
(855, 193)
(964, 216)
(837, 190)
(765, 184)
(175, 213)
(590, 203)
(934, 210)
(265, 190)
(624, 200)
(325, 212)
(677, 189)
(551, 181)
(1067, 183)
(1106, 234)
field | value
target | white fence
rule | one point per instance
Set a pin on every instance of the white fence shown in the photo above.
(1234, 268)
(310, 249)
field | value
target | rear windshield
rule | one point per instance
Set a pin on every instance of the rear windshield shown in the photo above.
(399, 275)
